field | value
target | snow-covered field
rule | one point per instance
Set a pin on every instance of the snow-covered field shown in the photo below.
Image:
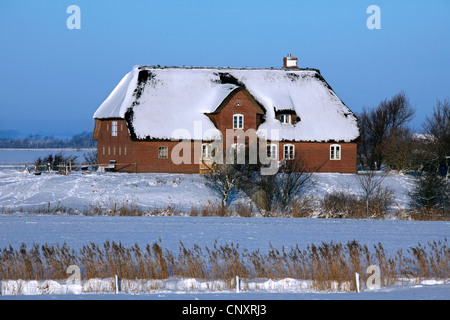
(20, 191)
(251, 233)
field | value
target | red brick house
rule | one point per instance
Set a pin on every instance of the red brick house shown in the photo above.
(140, 125)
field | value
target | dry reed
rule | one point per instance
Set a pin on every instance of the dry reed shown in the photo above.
(329, 265)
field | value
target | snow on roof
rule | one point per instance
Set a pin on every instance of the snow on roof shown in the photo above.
(158, 101)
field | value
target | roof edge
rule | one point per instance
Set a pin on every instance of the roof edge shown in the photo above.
(140, 67)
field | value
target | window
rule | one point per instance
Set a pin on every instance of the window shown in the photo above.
(289, 152)
(114, 128)
(163, 152)
(206, 150)
(335, 152)
(272, 152)
(238, 121)
(285, 118)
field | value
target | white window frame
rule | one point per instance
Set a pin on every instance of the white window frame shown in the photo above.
(285, 118)
(271, 151)
(288, 153)
(335, 152)
(206, 150)
(113, 128)
(238, 121)
(163, 152)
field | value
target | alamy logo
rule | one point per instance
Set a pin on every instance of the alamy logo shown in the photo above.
(235, 146)
(74, 20)
(374, 20)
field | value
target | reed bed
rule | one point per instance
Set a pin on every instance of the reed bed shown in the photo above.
(330, 266)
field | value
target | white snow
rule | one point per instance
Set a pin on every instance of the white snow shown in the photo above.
(20, 190)
(121, 96)
(190, 286)
(187, 93)
(249, 233)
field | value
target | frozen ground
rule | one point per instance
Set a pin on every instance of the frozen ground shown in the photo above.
(20, 190)
(250, 233)
(401, 292)
(24, 191)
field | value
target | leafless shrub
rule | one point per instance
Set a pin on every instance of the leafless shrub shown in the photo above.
(301, 207)
(377, 199)
(341, 204)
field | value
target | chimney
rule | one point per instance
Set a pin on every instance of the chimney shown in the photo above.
(290, 62)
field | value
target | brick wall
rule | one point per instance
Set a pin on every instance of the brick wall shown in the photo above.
(317, 156)
(118, 147)
(238, 104)
(146, 154)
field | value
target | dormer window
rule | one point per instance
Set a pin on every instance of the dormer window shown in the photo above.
(285, 118)
(238, 121)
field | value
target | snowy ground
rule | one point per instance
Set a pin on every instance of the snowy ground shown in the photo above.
(250, 233)
(20, 191)
(25, 191)
(425, 290)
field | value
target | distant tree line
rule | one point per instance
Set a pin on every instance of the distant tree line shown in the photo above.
(82, 140)
(387, 142)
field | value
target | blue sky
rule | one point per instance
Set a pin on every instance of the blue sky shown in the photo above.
(53, 79)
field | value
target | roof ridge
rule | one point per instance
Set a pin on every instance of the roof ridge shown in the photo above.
(223, 68)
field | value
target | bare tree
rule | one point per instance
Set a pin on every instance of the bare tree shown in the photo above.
(378, 124)
(373, 192)
(223, 180)
(402, 151)
(293, 181)
(438, 128)
(279, 190)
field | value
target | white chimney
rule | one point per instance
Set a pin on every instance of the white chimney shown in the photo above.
(290, 62)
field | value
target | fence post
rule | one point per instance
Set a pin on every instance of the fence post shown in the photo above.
(237, 284)
(117, 284)
(357, 281)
